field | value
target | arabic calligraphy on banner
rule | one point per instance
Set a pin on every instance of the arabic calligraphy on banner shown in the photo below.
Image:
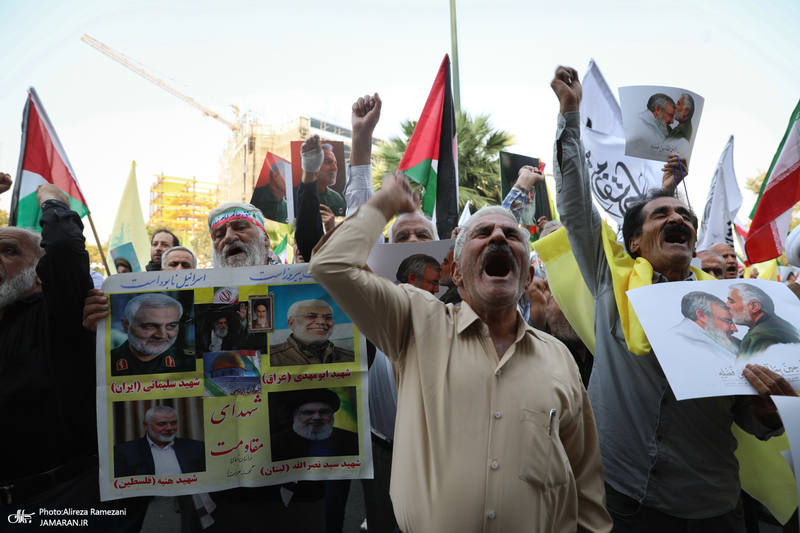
(267, 385)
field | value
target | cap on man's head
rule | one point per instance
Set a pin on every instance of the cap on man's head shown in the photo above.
(303, 397)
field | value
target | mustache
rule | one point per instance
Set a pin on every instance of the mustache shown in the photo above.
(682, 230)
(502, 248)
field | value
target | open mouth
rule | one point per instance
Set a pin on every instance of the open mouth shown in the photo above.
(498, 261)
(676, 235)
(234, 251)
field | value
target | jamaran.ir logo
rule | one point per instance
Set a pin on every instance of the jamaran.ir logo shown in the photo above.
(21, 517)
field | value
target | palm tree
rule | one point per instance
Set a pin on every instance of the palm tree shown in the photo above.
(479, 145)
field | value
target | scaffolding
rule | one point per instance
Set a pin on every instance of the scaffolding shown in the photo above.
(182, 203)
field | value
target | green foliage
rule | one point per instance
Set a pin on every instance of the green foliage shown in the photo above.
(479, 144)
(3, 218)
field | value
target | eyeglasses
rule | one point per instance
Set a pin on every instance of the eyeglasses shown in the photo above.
(432, 282)
(321, 412)
(726, 320)
(314, 316)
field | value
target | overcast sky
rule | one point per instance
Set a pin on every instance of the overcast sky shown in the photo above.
(282, 60)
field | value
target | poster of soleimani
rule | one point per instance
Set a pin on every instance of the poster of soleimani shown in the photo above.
(705, 332)
(251, 376)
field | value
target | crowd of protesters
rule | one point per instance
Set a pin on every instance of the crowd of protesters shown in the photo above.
(481, 419)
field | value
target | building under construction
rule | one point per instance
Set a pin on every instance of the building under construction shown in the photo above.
(182, 203)
(240, 163)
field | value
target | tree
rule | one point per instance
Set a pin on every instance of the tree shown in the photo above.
(3, 218)
(479, 144)
(754, 186)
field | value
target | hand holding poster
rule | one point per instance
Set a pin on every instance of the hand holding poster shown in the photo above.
(265, 385)
(330, 178)
(659, 121)
(705, 332)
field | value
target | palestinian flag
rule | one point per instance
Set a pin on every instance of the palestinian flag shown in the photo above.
(780, 191)
(41, 160)
(431, 158)
(741, 235)
(282, 250)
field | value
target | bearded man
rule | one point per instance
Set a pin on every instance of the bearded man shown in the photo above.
(708, 325)
(152, 323)
(753, 308)
(652, 124)
(311, 322)
(312, 433)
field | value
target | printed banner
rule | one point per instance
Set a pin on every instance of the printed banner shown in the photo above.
(240, 377)
(715, 328)
(659, 121)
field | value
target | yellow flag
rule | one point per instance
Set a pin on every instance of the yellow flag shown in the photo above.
(129, 238)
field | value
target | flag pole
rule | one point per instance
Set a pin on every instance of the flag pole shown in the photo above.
(99, 246)
(454, 40)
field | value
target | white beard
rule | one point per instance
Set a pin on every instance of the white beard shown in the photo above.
(12, 289)
(221, 332)
(663, 127)
(720, 338)
(155, 437)
(312, 433)
(255, 254)
(312, 339)
(142, 347)
(743, 318)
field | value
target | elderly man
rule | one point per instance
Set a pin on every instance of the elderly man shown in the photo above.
(178, 258)
(163, 240)
(271, 198)
(159, 451)
(707, 325)
(753, 308)
(651, 126)
(713, 263)
(669, 465)
(684, 111)
(222, 333)
(238, 236)
(483, 387)
(152, 323)
(43, 281)
(312, 433)
(420, 270)
(729, 255)
(261, 313)
(311, 322)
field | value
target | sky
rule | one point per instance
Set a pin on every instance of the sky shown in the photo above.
(281, 60)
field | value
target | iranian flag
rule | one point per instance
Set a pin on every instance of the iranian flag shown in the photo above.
(41, 160)
(741, 235)
(780, 191)
(431, 158)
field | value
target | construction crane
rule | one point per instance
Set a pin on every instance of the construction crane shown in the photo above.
(121, 59)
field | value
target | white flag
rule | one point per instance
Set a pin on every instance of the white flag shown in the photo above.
(465, 214)
(723, 203)
(616, 180)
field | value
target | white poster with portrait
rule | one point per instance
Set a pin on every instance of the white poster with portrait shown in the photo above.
(705, 332)
(659, 121)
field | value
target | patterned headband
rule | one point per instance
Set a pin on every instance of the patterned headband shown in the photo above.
(236, 213)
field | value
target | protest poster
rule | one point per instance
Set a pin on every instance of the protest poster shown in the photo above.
(509, 172)
(269, 194)
(705, 332)
(331, 175)
(423, 264)
(254, 374)
(659, 121)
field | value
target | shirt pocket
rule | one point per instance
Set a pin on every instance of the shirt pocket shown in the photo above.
(542, 460)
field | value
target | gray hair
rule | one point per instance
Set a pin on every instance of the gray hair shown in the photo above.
(306, 303)
(326, 147)
(416, 264)
(751, 292)
(551, 224)
(480, 213)
(711, 253)
(149, 415)
(175, 249)
(413, 213)
(150, 301)
(659, 100)
(688, 103)
(699, 301)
